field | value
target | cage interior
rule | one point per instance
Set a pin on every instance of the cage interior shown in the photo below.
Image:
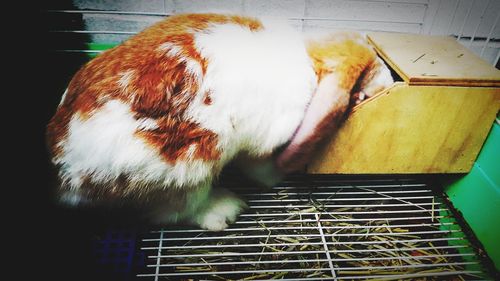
(306, 228)
(317, 229)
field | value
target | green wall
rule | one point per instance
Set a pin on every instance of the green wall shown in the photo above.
(477, 195)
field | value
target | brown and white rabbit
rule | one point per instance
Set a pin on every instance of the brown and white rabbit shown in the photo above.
(156, 118)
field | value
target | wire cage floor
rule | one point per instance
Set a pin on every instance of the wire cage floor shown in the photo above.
(323, 230)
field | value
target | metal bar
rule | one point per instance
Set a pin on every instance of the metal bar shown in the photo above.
(340, 199)
(495, 63)
(232, 246)
(398, 241)
(313, 187)
(297, 279)
(465, 20)
(353, 20)
(344, 205)
(337, 220)
(395, 2)
(236, 263)
(95, 32)
(479, 23)
(453, 17)
(233, 254)
(313, 227)
(394, 242)
(320, 260)
(238, 272)
(344, 278)
(107, 12)
(279, 187)
(401, 249)
(399, 199)
(128, 13)
(160, 244)
(413, 275)
(405, 257)
(332, 193)
(341, 213)
(434, 17)
(181, 247)
(352, 213)
(79, 51)
(489, 35)
(394, 234)
(406, 266)
(330, 180)
(302, 21)
(357, 242)
(327, 252)
(421, 29)
(303, 235)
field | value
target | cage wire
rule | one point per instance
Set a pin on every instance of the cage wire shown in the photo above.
(323, 230)
(471, 40)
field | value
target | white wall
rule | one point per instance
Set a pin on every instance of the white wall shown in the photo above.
(478, 19)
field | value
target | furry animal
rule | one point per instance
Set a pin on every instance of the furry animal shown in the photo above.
(155, 119)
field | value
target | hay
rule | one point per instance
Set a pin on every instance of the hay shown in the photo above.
(372, 247)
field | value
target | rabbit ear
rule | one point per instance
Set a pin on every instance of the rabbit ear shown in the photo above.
(326, 110)
(375, 78)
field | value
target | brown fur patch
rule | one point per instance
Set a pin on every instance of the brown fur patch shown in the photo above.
(207, 99)
(121, 192)
(160, 86)
(174, 139)
(345, 54)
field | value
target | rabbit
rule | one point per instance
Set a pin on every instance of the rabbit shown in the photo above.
(154, 120)
(355, 73)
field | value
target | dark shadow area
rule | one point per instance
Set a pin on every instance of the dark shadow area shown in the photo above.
(75, 244)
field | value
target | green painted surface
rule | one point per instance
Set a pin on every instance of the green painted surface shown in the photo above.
(97, 47)
(458, 239)
(489, 158)
(477, 196)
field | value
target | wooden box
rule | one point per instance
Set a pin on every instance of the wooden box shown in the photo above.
(434, 121)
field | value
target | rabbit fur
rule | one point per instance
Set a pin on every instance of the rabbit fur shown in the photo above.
(155, 119)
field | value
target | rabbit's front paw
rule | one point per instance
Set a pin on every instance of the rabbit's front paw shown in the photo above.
(221, 210)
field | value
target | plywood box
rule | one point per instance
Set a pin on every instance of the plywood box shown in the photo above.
(434, 121)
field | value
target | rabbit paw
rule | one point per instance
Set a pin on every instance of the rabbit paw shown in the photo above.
(220, 211)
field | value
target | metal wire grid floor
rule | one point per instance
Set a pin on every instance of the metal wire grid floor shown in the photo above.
(323, 231)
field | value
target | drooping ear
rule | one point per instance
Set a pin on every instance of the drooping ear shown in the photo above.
(323, 115)
(374, 78)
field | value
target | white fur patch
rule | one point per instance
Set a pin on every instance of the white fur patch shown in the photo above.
(125, 78)
(147, 124)
(63, 97)
(170, 49)
(260, 84)
(192, 66)
(209, 208)
(221, 208)
(384, 76)
(105, 146)
(191, 150)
